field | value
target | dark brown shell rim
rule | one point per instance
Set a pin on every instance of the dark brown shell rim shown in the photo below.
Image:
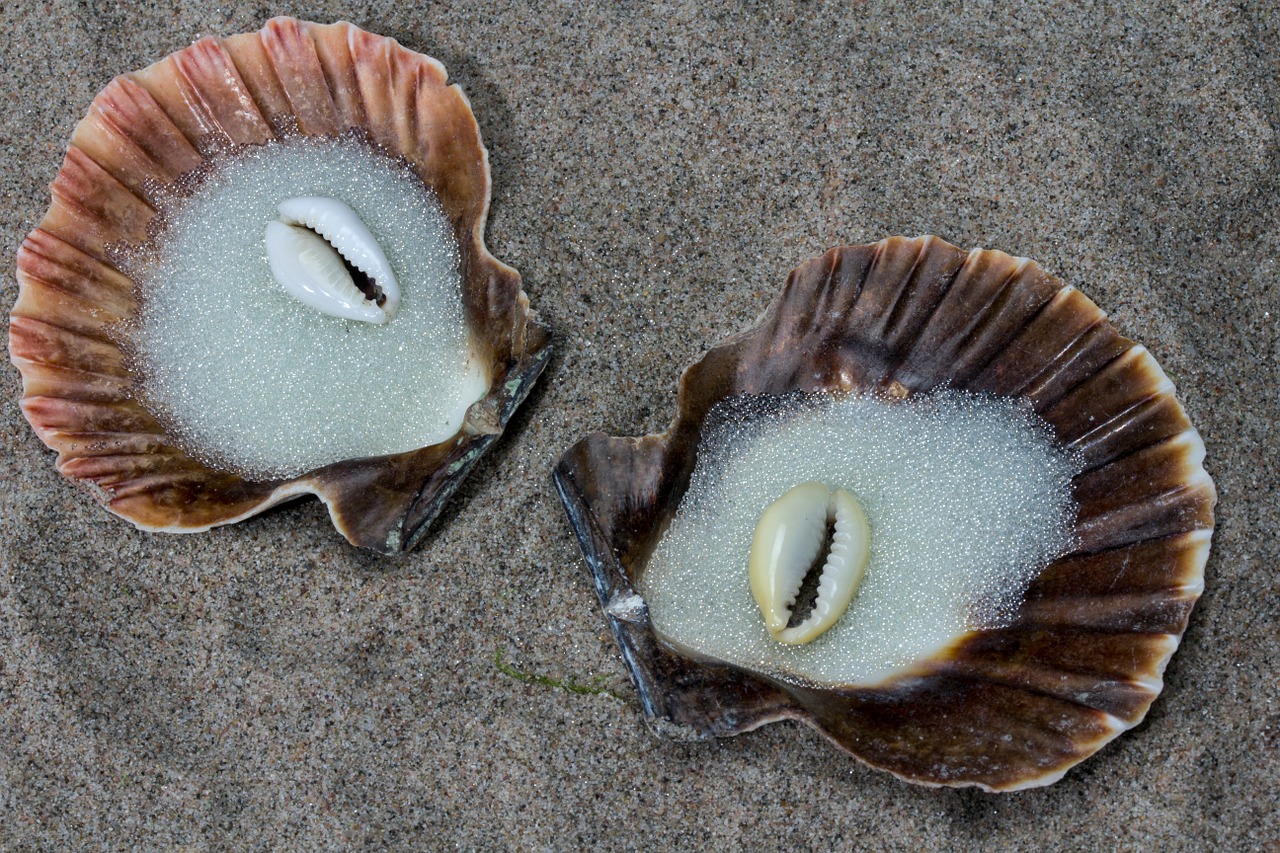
(1004, 709)
(143, 132)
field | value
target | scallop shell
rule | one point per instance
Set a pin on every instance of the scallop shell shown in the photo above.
(142, 133)
(1083, 659)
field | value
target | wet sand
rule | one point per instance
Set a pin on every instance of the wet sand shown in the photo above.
(657, 173)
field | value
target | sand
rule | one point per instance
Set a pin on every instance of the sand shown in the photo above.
(657, 172)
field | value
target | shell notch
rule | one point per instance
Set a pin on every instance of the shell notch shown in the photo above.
(310, 248)
(809, 522)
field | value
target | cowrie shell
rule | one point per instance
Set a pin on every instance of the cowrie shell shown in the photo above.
(306, 247)
(789, 539)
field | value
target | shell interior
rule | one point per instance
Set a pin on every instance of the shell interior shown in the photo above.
(253, 381)
(967, 497)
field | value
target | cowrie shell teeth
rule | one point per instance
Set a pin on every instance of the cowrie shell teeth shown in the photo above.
(305, 249)
(788, 538)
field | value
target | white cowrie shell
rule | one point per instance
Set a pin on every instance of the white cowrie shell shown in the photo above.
(310, 269)
(788, 538)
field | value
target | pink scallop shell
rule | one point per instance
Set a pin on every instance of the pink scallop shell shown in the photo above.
(146, 130)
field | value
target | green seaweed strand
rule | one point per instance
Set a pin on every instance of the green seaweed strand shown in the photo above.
(595, 687)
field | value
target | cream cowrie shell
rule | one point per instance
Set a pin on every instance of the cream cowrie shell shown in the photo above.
(788, 540)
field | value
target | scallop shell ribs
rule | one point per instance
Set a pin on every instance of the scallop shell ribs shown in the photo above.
(147, 130)
(1081, 659)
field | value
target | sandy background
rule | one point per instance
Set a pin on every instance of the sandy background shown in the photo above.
(658, 170)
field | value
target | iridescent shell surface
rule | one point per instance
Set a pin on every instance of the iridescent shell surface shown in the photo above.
(143, 133)
(1001, 709)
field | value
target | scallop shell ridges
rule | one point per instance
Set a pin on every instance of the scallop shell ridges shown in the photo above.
(143, 132)
(1083, 659)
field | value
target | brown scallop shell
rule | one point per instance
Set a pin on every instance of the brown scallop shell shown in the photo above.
(1002, 709)
(146, 130)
